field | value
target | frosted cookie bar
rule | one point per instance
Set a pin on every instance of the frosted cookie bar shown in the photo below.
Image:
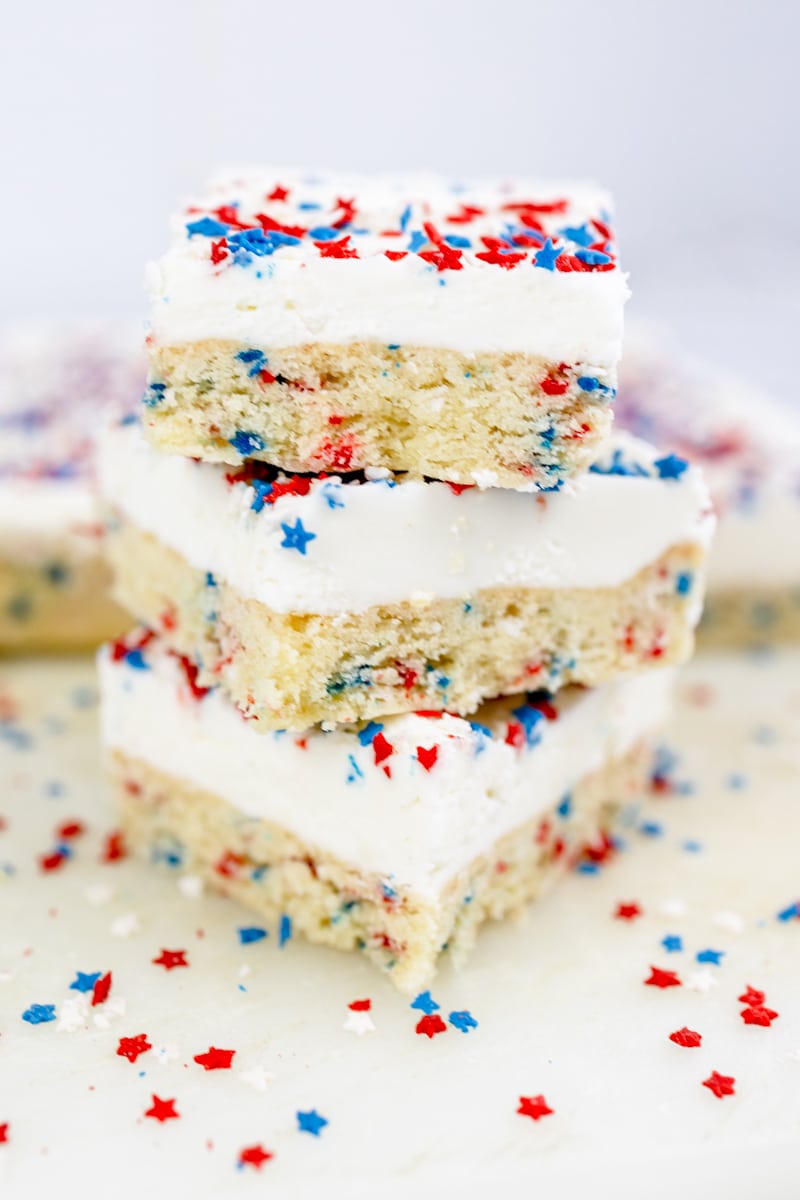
(336, 599)
(397, 838)
(55, 383)
(748, 446)
(333, 324)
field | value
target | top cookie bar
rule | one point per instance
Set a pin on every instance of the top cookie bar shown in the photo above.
(326, 323)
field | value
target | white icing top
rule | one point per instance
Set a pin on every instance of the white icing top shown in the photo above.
(417, 827)
(747, 444)
(299, 259)
(344, 547)
(55, 382)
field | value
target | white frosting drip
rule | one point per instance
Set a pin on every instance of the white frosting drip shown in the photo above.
(416, 829)
(377, 544)
(296, 296)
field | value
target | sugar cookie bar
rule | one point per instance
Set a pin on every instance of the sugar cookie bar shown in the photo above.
(55, 382)
(334, 324)
(336, 599)
(398, 838)
(748, 446)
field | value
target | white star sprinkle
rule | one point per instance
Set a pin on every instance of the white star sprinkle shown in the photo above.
(359, 1023)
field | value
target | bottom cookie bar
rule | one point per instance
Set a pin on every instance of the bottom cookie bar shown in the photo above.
(398, 839)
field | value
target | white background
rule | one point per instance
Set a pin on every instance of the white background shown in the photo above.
(686, 109)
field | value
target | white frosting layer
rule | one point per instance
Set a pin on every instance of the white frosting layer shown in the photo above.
(379, 544)
(295, 295)
(417, 828)
(747, 444)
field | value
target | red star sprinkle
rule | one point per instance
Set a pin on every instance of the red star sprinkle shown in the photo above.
(662, 979)
(382, 748)
(360, 1005)
(4, 1127)
(427, 756)
(753, 996)
(627, 912)
(214, 1059)
(686, 1037)
(101, 989)
(756, 1014)
(132, 1047)
(254, 1156)
(430, 1025)
(534, 1107)
(339, 249)
(720, 1085)
(162, 1110)
(171, 958)
(281, 193)
(395, 255)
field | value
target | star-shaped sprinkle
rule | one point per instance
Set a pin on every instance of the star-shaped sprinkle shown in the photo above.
(214, 1059)
(720, 1085)
(132, 1047)
(39, 1014)
(430, 1025)
(547, 256)
(85, 982)
(670, 466)
(662, 979)
(686, 1037)
(359, 1022)
(254, 1156)
(672, 943)
(169, 959)
(4, 1128)
(125, 926)
(463, 1021)
(701, 981)
(296, 537)
(730, 921)
(753, 996)
(534, 1107)
(257, 1077)
(759, 1015)
(710, 956)
(162, 1110)
(424, 1002)
(627, 911)
(311, 1122)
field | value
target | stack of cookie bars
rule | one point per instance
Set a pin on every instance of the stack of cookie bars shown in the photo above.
(408, 606)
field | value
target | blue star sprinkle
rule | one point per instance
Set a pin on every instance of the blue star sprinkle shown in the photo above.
(710, 956)
(672, 943)
(251, 933)
(463, 1021)
(546, 257)
(85, 983)
(261, 490)
(790, 912)
(296, 537)
(425, 1003)
(206, 227)
(670, 467)
(311, 1122)
(284, 929)
(40, 1014)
